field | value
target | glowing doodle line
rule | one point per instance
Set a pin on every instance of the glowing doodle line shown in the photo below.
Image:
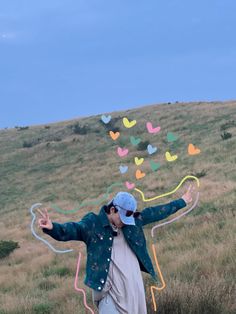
(165, 223)
(71, 250)
(168, 193)
(154, 253)
(176, 218)
(79, 258)
(79, 289)
(59, 251)
(87, 203)
(159, 270)
(39, 238)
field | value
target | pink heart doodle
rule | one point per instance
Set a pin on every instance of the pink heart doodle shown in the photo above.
(129, 185)
(151, 129)
(122, 151)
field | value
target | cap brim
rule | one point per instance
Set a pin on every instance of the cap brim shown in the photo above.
(126, 220)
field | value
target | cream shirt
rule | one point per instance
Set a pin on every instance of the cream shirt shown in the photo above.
(124, 282)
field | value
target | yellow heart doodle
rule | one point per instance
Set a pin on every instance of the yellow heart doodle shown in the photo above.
(170, 158)
(129, 124)
(138, 161)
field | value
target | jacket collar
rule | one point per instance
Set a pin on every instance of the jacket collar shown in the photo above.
(103, 217)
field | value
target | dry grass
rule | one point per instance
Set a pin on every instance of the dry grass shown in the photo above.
(196, 254)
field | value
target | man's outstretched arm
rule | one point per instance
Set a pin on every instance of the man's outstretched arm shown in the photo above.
(64, 232)
(160, 212)
(68, 231)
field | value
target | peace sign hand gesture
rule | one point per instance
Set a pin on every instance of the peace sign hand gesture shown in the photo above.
(187, 197)
(44, 221)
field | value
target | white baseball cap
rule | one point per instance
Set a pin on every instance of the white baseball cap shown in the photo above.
(124, 201)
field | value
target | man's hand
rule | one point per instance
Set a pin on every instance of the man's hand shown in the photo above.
(187, 197)
(44, 221)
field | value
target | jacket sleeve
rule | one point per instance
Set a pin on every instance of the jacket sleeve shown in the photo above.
(159, 212)
(70, 231)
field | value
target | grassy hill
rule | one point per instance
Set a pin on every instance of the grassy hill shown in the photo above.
(64, 164)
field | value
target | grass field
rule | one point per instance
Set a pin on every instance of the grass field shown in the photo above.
(75, 161)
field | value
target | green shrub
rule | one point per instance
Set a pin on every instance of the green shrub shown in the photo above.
(143, 145)
(61, 272)
(42, 308)
(112, 124)
(200, 174)
(31, 143)
(6, 247)
(226, 135)
(27, 144)
(78, 129)
(116, 129)
(21, 128)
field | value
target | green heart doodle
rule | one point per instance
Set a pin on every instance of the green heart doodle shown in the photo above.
(155, 165)
(171, 137)
(135, 141)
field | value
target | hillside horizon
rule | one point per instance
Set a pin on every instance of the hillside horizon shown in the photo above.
(109, 112)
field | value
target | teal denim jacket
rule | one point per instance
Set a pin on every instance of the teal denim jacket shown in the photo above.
(95, 231)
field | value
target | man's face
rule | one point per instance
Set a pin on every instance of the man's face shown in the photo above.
(116, 218)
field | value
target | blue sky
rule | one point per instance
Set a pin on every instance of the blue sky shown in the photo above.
(62, 59)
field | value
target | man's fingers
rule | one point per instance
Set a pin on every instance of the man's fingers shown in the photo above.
(42, 214)
(41, 222)
(189, 188)
(46, 213)
(193, 188)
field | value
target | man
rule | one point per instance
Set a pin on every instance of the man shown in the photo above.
(116, 249)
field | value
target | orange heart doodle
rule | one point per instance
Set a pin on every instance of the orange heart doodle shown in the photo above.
(114, 135)
(139, 174)
(192, 150)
